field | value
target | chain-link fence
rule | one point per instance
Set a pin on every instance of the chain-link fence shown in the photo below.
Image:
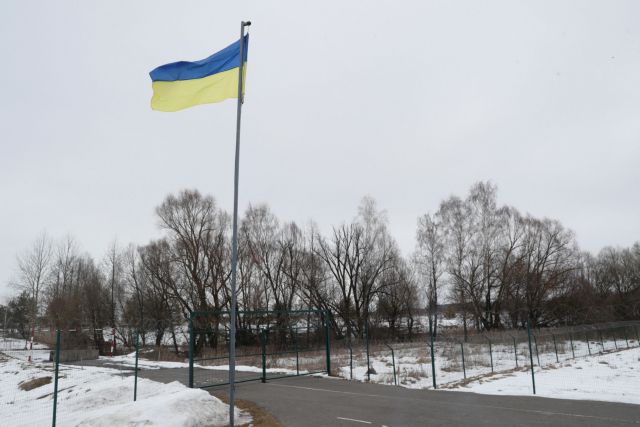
(48, 376)
(452, 358)
(269, 345)
(27, 372)
(51, 376)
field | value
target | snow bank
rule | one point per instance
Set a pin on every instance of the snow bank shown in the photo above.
(129, 361)
(612, 377)
(92, 396)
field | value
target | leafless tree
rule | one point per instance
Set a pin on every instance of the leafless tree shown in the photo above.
(113, 271)
(34, 267)
(429, 260)
(396, 303)
(356, 256)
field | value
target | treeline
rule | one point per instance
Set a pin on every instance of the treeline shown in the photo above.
(492, 265)
(503, 268)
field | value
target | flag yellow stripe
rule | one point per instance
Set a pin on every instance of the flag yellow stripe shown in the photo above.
(180, 94)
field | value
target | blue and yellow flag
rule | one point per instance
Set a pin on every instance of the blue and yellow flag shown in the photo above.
(185, 84)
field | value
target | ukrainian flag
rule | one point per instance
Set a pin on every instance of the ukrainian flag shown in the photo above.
(185, 84)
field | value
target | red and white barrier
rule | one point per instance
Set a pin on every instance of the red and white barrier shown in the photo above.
(33, 330)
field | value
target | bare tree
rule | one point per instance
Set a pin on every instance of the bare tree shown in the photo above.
(262, 235)
(189, 221)
(429, 259)
(113, 271)
(197, 253)
(548, 259)
(398, 297)
(66, 253)
(161, 288)
(356, 256)
(463, 263)
(34, 267)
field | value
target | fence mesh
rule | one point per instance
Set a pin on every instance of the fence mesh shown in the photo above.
(579, 358)
(52, 376)
(26, 369)
(269, 345)
(458, 359)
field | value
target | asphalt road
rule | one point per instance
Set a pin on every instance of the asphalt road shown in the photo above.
(313, 401)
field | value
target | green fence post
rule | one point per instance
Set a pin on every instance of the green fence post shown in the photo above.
(295, 343)
(464, 370)
(586, 335)
(191, 350)
(55, 381)
(625, 336)
(635, 328)
(433, 357)
(601, 340)
(490, 353)
(263, 344)
(366, 332)
(350, 361)
(328, 341)
(614, 339)
(573, 353)
(555, 347)
(393, 364)
(533, 378)
(135, 381)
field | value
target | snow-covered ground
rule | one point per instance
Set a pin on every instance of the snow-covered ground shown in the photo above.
(19, 349)
(613, 377)
(413, 363)
(103, 397)
(129, 361)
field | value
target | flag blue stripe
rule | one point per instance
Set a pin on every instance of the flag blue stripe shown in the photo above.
(225, 60)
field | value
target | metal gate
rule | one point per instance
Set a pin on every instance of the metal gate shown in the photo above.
(269, 345)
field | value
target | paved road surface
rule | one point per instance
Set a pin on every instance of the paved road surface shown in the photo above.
(313, 401)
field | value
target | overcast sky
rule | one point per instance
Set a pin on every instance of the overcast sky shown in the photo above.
(407, 101)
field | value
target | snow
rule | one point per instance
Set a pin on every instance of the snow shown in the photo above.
(612, 377)
(129, 360)
(18, 348)
(246, 368)
(103, 397)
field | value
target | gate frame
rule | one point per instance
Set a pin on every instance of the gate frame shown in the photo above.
(325, 316)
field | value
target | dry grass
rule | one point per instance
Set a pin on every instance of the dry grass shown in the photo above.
(261, 418)
(452, 366)
(482, 378)
(34, 383)
(161, 353)
(412, 375)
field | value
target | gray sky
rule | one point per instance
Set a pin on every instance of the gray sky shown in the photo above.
(406, 101)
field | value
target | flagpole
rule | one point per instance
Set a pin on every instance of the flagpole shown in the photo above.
(234, 242)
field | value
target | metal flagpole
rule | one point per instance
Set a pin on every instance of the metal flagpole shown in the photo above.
(234, 243)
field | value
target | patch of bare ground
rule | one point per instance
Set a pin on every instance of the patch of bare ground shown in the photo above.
(160, 354)
(260, 417)
(34, 383)
(483, 378)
